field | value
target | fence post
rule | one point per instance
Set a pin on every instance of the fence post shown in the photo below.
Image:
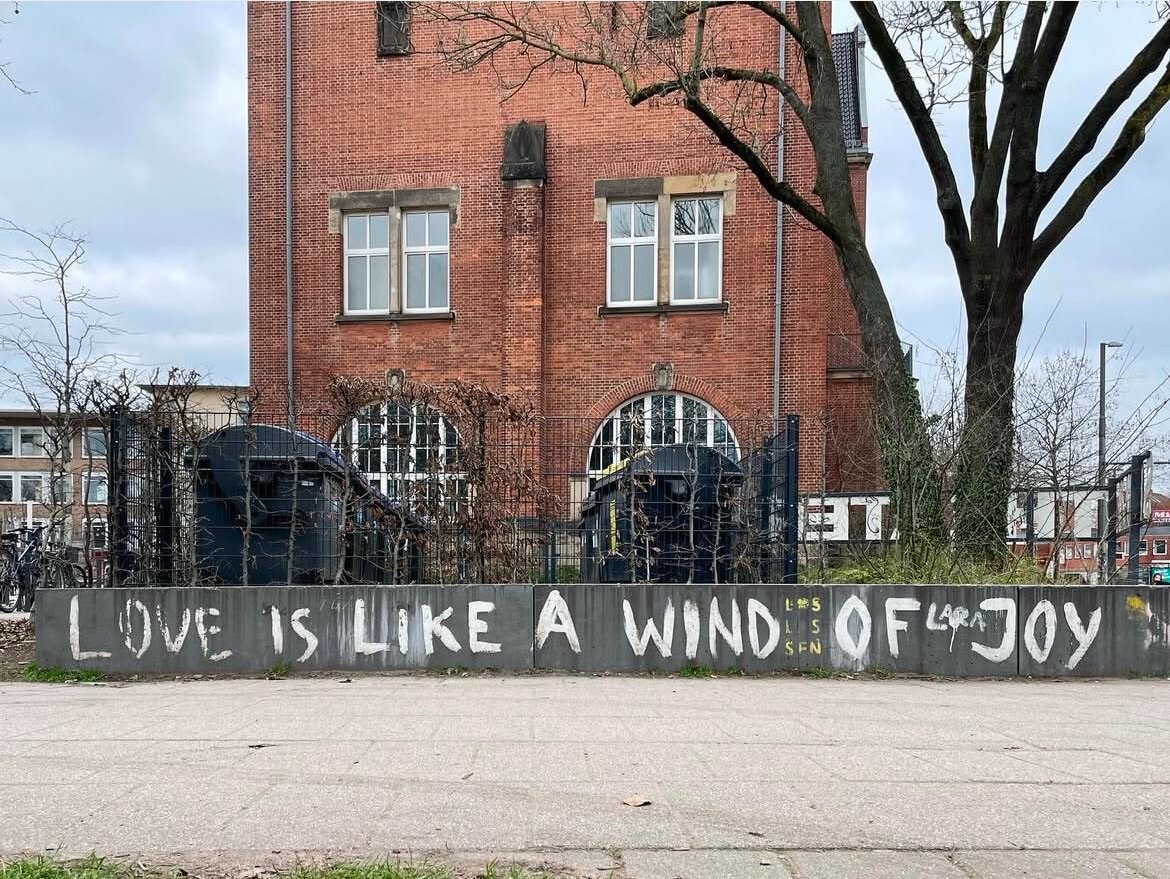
(1030, 520)
(1111, 531)
(791, 494)
(119, 525)
(1136, 465)
(767, 504)
(164, 515)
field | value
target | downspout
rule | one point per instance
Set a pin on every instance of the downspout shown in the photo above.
(288, 207)
(780, 61)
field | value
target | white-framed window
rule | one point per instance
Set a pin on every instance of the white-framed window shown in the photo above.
(1159, 547)
(426, 260)
(696, 250)
(632, 253)
(659, 419)
(1143, 548)
(61, 485)
(367, 263)
(96, 532)
(395, 445)
(93, 444)
(32, 442)
(6, 445)
(97, 489)
(32, 487)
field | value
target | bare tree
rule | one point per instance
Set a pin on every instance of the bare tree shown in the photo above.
(1056, 434)
(5, 72)
(933, 54)
(56, 343)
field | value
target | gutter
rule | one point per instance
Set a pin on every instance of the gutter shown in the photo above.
(776, 320)
(288, 207)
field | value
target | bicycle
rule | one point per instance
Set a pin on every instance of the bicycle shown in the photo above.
(27, 565)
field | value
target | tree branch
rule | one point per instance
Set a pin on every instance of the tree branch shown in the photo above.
(778, 189)
(985, 201)
(1131, 137)
(727, 74)
(1085, 138)
(950, 205)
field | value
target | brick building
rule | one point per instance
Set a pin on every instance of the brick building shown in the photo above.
(599, 260)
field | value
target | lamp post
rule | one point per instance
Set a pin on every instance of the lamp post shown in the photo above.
(1102, 525)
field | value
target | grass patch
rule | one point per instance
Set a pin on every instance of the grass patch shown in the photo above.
(278, 671)
(42, 868)
(494, 871)
(385, 870)
(696, 671)
(819, 671)
(48, 675)
(98, 868)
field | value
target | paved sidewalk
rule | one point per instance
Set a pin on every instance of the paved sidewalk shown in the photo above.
(769, 777)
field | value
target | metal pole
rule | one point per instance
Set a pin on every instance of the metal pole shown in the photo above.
(165, 510)
(1135, 517)
(1030, 527)
(791, 494)
(290, 389)
(1101, 514)
(1102, 517)
(777, 317)
(1111, 532)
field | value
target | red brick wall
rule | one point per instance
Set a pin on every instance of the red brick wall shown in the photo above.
(362, 122)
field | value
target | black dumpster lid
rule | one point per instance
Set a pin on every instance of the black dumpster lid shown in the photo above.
(222, 453)
(681, 459)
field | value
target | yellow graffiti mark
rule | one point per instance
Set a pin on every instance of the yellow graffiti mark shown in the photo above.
(1135, 605)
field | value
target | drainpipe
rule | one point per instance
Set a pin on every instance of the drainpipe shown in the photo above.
(780, 61)
(288, 207)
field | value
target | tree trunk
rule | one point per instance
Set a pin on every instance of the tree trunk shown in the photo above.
(907, 458)
(984, 479)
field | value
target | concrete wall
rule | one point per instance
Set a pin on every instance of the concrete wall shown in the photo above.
(944, 630)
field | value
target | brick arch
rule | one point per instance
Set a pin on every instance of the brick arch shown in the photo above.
(683, 384)
(637, 387)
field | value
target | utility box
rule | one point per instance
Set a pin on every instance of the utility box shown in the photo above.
(287, 503)
(663, 515)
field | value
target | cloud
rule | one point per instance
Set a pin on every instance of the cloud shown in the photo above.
(136, 131)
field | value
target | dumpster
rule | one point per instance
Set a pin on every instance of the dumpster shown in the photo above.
(287, 502)
(664, 515)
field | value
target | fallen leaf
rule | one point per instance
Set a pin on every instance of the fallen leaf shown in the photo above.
(260, 745)
(467, 776)
(635, 801)
(346, 681)
(754, 833)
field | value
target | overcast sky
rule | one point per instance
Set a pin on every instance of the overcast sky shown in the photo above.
(136, 132)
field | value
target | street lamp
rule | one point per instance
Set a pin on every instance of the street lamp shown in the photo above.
(1101, 524)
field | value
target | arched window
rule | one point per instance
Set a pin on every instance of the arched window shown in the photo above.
(397, 444)
(660, 419)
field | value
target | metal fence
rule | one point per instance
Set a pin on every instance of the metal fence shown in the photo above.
(403, 492)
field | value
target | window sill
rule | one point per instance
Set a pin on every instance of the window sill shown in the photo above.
(396, 317)
(697, 308)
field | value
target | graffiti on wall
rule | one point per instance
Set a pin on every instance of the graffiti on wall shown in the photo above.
(944, 630)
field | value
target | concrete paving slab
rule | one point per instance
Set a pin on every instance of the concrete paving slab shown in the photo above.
(704, 865)
(1047, 865)
(872, 865)
(883, 777)
(1148, 864)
